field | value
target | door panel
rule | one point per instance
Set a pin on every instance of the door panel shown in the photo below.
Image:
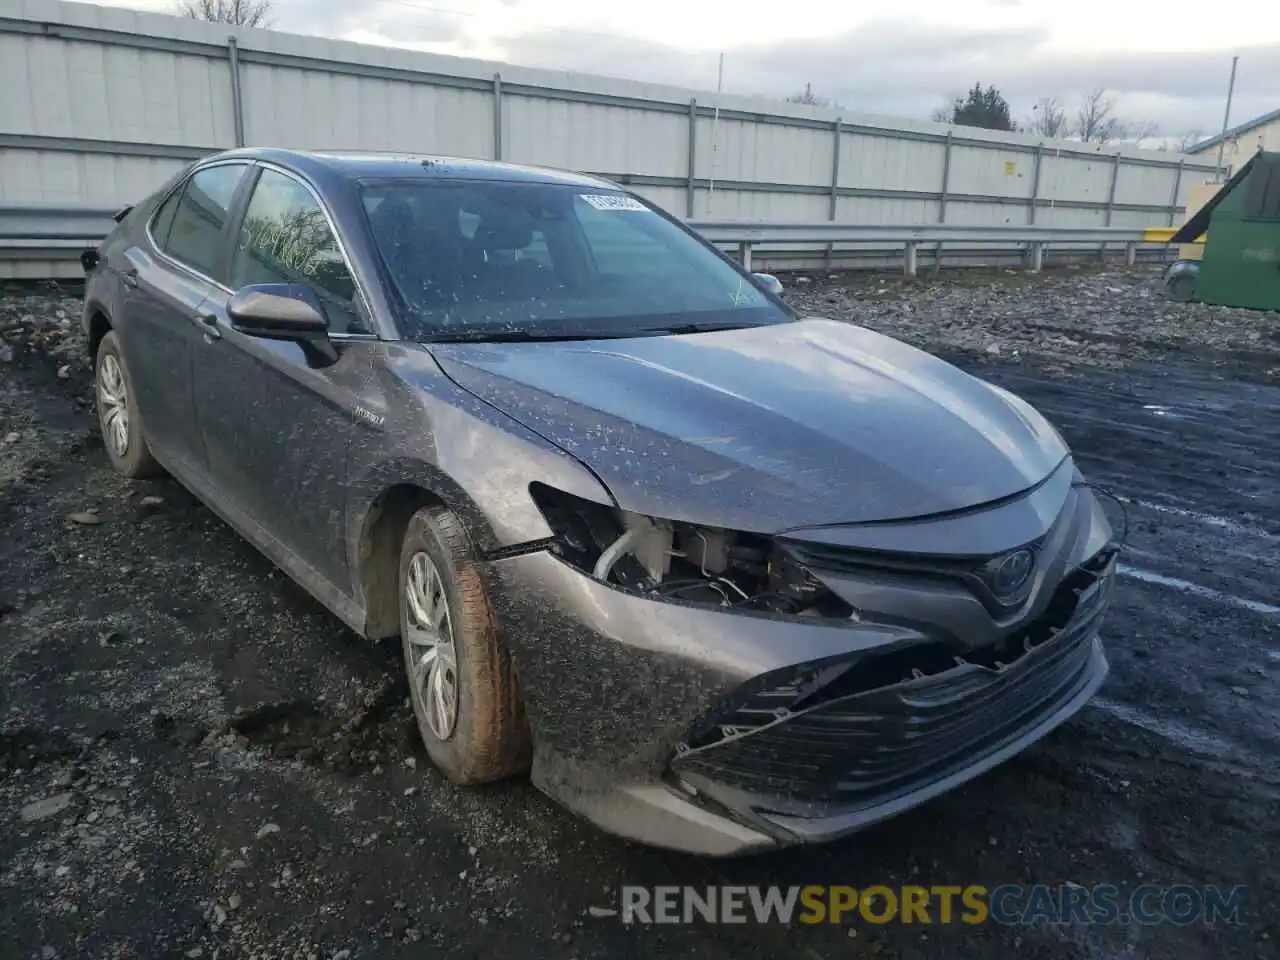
(276, 432)
(162, 299)
(157, 339)
(276, 429)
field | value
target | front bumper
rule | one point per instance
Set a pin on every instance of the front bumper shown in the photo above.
(678, 724)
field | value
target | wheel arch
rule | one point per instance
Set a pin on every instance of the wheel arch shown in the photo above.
(390, 498)
(98, 326)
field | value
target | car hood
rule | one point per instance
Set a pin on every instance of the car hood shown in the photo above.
(768, 428)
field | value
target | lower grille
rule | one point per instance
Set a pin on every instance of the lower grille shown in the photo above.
(869, 746)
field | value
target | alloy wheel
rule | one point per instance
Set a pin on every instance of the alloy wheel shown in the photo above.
(433, 662)
(113, 405)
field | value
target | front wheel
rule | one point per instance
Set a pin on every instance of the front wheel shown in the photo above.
(461, 679)
(118, 419)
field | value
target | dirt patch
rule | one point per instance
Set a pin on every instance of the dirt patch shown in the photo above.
(1065, 319)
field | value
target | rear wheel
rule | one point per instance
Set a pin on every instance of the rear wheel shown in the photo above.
(461, 679)
(118, 419)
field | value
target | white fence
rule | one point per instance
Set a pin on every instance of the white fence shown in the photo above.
(98, 105)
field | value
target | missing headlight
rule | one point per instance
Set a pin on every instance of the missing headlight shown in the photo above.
(683, 561)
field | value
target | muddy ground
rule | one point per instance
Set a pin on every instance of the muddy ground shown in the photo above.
(197, 760)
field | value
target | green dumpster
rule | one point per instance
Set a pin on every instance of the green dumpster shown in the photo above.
(1240, 266)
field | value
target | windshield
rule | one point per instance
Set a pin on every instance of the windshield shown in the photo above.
(498, 259)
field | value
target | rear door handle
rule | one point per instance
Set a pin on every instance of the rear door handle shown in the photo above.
(208, 324)
(130, 276)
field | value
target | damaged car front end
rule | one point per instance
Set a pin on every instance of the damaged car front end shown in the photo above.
(724, 691)
(795, 610)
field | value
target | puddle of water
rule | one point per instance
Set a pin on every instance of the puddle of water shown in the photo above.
(1186, 586)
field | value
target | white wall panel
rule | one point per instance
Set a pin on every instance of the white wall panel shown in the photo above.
(885, 163)
(991, 173)
(47, 176)
(593, 137)
(1145, 185)
(56, 88)
(315, 110)
(763, 152)
(1077, 178)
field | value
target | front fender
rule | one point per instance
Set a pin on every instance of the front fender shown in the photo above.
(438, 437)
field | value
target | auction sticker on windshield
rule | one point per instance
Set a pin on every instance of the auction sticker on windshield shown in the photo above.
(613, 201)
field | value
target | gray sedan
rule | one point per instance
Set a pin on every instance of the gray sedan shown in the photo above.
(718, 577)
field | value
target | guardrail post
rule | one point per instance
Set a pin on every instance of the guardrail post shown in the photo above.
(909, 263)
(1130, 254)
(237, 101)
(834, 203)
(690, 188)
(1035, 256)
(497, 116)
(744, 254)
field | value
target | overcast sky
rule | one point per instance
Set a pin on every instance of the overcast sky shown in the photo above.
(1166, 62)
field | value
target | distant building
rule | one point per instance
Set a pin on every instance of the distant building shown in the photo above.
(1242, 142)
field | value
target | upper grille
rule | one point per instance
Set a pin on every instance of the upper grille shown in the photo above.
(973, 572)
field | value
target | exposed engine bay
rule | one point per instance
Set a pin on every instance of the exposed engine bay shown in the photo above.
(683, 561)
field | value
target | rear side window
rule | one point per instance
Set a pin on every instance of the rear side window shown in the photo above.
(163, 221)
(286, 238)
(195, 236)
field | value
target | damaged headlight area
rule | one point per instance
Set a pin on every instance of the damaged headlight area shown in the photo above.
(682, 561)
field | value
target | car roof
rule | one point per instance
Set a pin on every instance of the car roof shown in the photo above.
(390, 166)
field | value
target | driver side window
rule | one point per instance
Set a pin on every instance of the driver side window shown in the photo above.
(285, 238)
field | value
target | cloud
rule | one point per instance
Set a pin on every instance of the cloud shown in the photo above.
(893, 67)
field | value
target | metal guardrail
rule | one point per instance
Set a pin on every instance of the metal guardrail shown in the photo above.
(54, 232)
(748, 234)
(51, 231)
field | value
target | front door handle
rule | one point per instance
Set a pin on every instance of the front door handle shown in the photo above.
(208, 324)
(130, 276)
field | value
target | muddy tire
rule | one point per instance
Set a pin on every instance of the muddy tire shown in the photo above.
(118, 418)
(461, 679)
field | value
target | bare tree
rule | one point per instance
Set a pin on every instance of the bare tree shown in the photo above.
(242, 13)
(1048, 119)
(808, 96)
(1096, 121)
(942, 114)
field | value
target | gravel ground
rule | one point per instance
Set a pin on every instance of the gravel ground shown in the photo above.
(196, 760)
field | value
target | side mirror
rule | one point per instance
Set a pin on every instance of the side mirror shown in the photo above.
(768, 283)
(283, 311)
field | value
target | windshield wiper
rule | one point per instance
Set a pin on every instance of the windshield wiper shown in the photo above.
(523, 336)
(678, 328)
